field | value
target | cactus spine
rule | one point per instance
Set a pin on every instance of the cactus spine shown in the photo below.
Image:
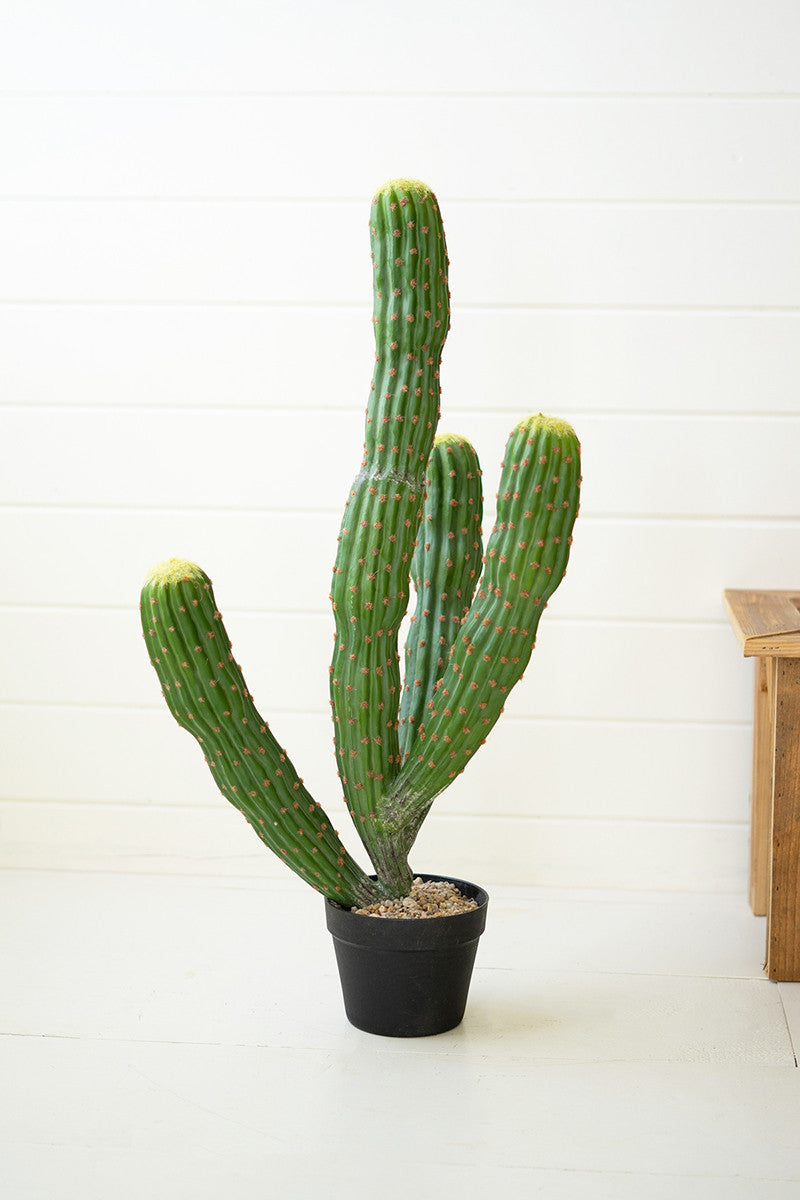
(414, 508)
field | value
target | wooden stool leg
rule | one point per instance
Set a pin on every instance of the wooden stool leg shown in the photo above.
(761, 792)
(783, 919)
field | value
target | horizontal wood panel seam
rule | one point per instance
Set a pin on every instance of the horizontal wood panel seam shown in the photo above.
(322, 200)
(291, 411)
(596, 518)
(476, 95)
(276, 714)
(461, 818)
(719, 518)
(364, 306)
(352, 409)
(321, 614)
(357, 306)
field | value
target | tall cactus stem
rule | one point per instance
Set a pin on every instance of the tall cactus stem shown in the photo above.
(370, 586)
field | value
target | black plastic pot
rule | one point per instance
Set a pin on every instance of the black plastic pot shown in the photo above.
(407, 978)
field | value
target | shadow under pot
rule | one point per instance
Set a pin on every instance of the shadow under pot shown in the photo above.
(407, 978)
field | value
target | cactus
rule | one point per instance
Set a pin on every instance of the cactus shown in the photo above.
(414, 510)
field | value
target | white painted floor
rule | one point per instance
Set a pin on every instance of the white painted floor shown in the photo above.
(180, 1038)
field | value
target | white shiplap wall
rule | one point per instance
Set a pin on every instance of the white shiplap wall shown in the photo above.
(185, 357)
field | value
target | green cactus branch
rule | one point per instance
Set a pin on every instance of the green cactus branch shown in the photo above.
(446, 566)
(206, 693)
(414, 509)
(526, 559)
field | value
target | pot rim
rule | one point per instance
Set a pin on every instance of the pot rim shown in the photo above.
(480, 895)
(425, 933)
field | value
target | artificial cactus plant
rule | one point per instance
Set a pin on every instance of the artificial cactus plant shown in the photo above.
(414, 510)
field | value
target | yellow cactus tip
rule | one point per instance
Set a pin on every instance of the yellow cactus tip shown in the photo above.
(175, 570)
(404, 185)
(547, 424)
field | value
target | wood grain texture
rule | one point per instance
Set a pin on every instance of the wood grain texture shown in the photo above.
(765, 622)
(763, 758)
(783, 928)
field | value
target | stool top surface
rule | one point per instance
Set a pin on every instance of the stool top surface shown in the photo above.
(766, 623)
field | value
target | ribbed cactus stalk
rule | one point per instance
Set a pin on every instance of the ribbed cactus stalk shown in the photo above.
(526, 559)
(369, 592)
(445, 568)
(206, 693)
(414, 509)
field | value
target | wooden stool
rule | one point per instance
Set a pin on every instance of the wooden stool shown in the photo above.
(767, 626)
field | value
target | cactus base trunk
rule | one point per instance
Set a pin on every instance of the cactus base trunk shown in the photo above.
(407, 978)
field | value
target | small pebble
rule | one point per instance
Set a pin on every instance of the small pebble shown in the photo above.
(435, 898)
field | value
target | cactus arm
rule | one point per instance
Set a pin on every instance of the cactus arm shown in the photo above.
(526, 559)
(206, 693)
(446, 566)
(370, 586)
